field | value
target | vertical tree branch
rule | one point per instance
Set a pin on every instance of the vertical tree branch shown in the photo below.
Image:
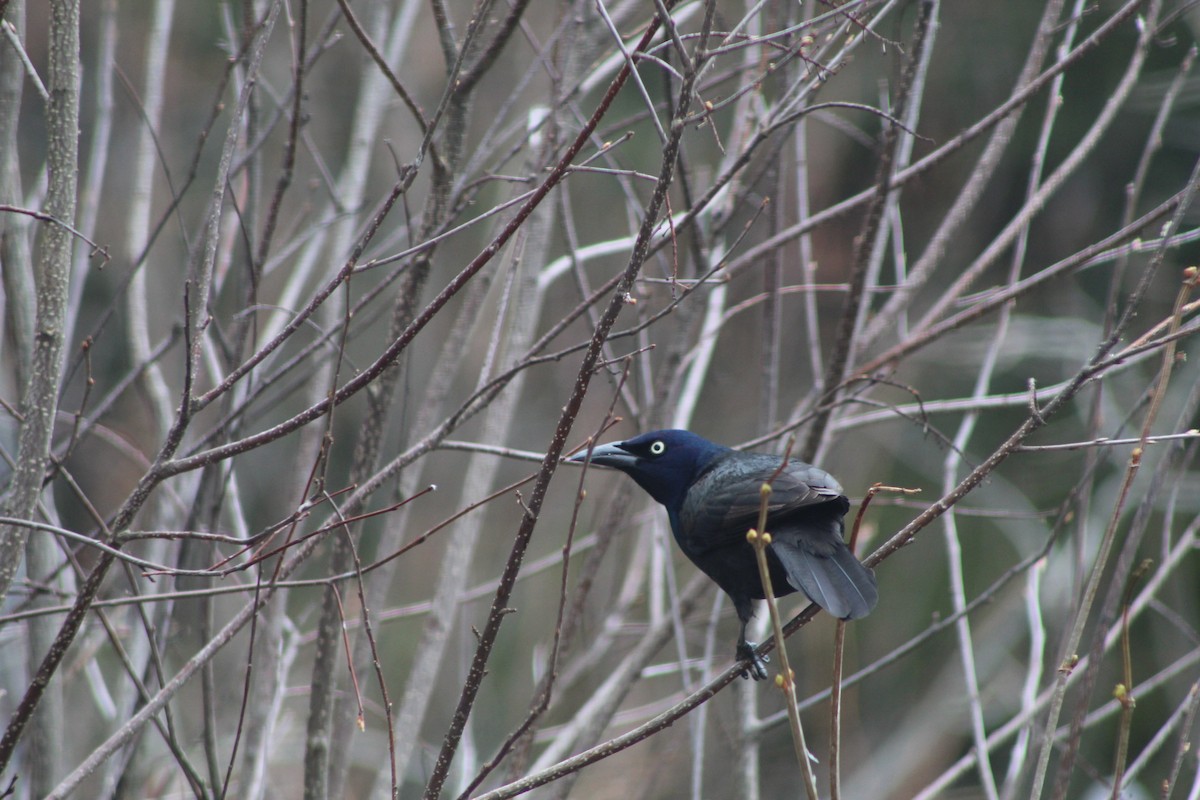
(864, 243)
(39, 400)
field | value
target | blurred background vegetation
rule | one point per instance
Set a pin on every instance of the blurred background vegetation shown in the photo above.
(292, 266)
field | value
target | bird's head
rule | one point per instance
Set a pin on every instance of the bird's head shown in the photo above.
(664, 463)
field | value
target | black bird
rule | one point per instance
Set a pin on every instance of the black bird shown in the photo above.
(712, 497)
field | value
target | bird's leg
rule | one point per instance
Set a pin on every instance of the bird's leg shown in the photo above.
(757, 666)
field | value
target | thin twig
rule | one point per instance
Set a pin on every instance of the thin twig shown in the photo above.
(786, 678)
(864, 242)
(1123, 691)
(839, 644)
(500, 603)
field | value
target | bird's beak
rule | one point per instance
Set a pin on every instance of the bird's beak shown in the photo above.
(607, 455)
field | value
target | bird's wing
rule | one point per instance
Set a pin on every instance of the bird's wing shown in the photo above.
(723, 503)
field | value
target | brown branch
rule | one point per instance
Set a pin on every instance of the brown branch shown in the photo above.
(864, 244)
(508, 577)
(44, 217)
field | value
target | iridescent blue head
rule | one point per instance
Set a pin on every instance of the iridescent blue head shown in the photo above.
(664, 463)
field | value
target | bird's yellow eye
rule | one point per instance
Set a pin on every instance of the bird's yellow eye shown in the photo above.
(658, 448)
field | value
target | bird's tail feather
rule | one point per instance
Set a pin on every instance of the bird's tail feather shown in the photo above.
(837, 583)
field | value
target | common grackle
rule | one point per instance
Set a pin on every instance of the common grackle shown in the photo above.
(712, 497)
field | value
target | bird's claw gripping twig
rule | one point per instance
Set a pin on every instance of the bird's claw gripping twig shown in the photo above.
(756, 666)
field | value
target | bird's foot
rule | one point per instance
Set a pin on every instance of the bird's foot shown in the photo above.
(757, 666)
